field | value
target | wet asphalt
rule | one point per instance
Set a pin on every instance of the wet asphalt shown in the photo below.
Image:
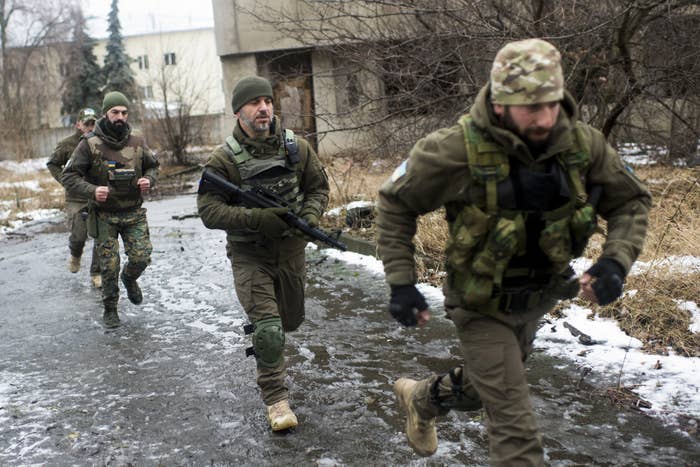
(172, 386)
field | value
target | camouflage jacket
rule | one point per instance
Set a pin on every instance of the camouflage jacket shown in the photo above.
(216, 209)
(95, 160)
(59, 158)
(437, 173)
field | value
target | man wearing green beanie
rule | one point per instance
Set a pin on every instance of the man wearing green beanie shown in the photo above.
(114, 168)
(267, 259)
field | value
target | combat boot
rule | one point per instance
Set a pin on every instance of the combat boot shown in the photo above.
(74, 264)
(110, 316)
(133, 291)
(96, 280)
(420, 431)
(281, 416)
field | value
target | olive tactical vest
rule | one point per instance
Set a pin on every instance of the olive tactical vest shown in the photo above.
(119, 169)
(277, 174)
(484, 236)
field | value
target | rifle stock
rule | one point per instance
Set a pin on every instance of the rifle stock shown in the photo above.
(261, 198)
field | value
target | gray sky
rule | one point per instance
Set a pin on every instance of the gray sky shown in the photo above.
(146, 16)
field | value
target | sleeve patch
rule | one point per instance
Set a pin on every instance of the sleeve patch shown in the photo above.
(399, 172)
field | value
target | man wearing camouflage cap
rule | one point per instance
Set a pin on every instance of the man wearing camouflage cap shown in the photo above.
(522, 181)
(114, 168)
(76, 204)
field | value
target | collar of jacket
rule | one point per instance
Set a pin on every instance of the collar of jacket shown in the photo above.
(561, 139)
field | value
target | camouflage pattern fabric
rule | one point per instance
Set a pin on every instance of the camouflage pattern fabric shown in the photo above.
(527, 72)
(133, 228)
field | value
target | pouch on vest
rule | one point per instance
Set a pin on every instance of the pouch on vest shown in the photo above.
(91, 222)
(555, 240)
(505, 239)
(583, 224)
(469, 228)
(122, 180)
(478, 289)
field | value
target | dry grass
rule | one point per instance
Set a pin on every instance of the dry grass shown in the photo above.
(674, 223)
(651, 314)
(17, 198)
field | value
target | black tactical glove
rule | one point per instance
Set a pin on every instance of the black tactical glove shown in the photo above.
(268, 221)
(405, 302)
(609, 276)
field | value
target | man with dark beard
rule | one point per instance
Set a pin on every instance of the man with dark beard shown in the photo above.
(114, 168)
(522, 180)
(268, 260)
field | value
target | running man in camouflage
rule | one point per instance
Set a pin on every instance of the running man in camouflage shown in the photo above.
(114, 168)
(76, 204)
(522, 180)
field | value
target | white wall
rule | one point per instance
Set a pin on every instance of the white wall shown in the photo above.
(197, 68)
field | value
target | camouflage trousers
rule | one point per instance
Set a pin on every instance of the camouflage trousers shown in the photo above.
(132, 226)
(78, 234)
(493, 377)
(270, 282)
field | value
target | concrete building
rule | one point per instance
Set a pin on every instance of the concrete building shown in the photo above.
(314, 94)
(182, 64)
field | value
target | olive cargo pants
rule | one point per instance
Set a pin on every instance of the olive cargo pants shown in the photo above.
(78, 234)
(270, 281)
(495, 349)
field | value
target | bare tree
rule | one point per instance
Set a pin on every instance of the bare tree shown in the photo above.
(175, 115)
(27, 28)
(408, 66)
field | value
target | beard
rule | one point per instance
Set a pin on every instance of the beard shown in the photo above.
(117, 127)
(537, 145)
(258, 128)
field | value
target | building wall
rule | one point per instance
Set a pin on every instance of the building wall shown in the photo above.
(241, 41)
(196, 73)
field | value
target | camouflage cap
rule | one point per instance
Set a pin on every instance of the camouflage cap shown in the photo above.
(86, 115)
(527, 72)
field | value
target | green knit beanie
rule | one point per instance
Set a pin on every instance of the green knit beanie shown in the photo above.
(113, 99)
(249, 88)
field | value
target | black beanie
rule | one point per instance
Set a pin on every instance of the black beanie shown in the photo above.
(113, 99)
(249, 88)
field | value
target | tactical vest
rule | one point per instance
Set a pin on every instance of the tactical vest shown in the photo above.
(277, 174)
(484, 236)
(118, 169)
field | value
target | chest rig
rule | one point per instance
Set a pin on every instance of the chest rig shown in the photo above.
(484, 236)
(119, 169)
(276, 173)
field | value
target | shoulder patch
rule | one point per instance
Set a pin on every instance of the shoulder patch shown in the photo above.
(400, 171)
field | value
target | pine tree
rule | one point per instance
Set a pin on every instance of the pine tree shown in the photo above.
(117, 72)
(84, 80)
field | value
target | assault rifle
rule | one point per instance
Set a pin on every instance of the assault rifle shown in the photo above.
(259, 197)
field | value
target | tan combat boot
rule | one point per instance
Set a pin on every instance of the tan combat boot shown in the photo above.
(96, 280)
(110, 316)
(420, 432)
(74, 264)
(281, 416)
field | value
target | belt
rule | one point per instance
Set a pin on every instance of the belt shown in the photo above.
(519, 301)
